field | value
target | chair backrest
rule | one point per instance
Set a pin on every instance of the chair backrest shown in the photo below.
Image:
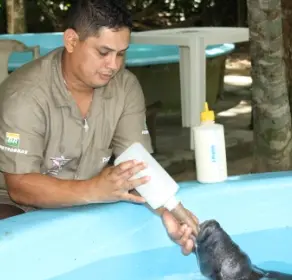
(7, 47)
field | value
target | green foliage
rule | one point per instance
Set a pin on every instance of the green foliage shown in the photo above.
(48, 15)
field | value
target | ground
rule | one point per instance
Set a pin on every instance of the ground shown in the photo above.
(233, 111)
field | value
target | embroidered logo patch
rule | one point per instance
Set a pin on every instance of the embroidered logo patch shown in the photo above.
(58, 164)
(12, 140)
(105, 159)
(13, 150)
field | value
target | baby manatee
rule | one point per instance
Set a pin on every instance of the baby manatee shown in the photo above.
(219, 258)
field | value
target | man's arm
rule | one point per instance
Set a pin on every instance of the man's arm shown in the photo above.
(22, 145)
(131, 126)
(43, 191)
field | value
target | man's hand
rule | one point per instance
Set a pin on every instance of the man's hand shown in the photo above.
(113, 183)
(179, 233)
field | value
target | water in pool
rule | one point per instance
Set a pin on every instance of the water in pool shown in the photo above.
(269, 249)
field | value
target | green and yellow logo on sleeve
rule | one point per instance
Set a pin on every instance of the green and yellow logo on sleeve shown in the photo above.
(12, 140)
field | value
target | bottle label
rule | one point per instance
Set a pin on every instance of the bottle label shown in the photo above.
(217, 158)
(213, 153)
(210, 156)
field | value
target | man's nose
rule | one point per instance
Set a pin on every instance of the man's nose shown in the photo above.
(113, 62)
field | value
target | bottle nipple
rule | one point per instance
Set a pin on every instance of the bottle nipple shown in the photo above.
(181, 214)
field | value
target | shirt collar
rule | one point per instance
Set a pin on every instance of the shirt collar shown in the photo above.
(59, 91)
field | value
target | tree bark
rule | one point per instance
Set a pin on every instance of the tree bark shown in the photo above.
(272, 117)
(287, 40)
(16, 22)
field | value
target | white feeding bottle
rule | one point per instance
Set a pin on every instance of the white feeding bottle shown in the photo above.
(210, 151)
(161, 189)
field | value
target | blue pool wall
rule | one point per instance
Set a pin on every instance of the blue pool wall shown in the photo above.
(47, 243)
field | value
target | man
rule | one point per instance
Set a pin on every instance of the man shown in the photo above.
(64, 115)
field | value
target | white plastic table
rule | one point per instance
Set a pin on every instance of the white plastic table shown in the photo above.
(192, 42)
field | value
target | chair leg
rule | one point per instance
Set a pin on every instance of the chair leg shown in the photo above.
(151, 116)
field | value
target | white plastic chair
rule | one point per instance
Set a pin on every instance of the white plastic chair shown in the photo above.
(7, 47)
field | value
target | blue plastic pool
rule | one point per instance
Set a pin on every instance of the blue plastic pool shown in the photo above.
(137, 55)
(125, 241)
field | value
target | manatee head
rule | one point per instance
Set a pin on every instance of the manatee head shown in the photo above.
(219, 258)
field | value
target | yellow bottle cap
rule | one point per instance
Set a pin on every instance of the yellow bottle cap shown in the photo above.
(207, 115)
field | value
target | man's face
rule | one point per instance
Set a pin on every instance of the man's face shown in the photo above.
(97, 59)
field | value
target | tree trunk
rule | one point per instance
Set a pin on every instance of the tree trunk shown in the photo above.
(16, 22)
(272, 117)
(287, 39)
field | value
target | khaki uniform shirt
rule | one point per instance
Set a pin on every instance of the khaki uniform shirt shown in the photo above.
(42, 129)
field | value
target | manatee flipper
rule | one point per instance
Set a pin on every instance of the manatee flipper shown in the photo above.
(219, 258)
(272, 275)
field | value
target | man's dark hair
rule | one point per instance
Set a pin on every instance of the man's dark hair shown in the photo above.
(86, 17)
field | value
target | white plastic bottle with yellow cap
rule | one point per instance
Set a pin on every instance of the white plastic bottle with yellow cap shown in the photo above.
(210, 150)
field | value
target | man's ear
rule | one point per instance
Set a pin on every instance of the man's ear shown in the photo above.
(71, 39)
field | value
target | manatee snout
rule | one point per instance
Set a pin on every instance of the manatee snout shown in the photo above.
(207, 228)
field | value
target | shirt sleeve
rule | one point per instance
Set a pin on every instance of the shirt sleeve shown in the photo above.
(22, 129)
(132, 125)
